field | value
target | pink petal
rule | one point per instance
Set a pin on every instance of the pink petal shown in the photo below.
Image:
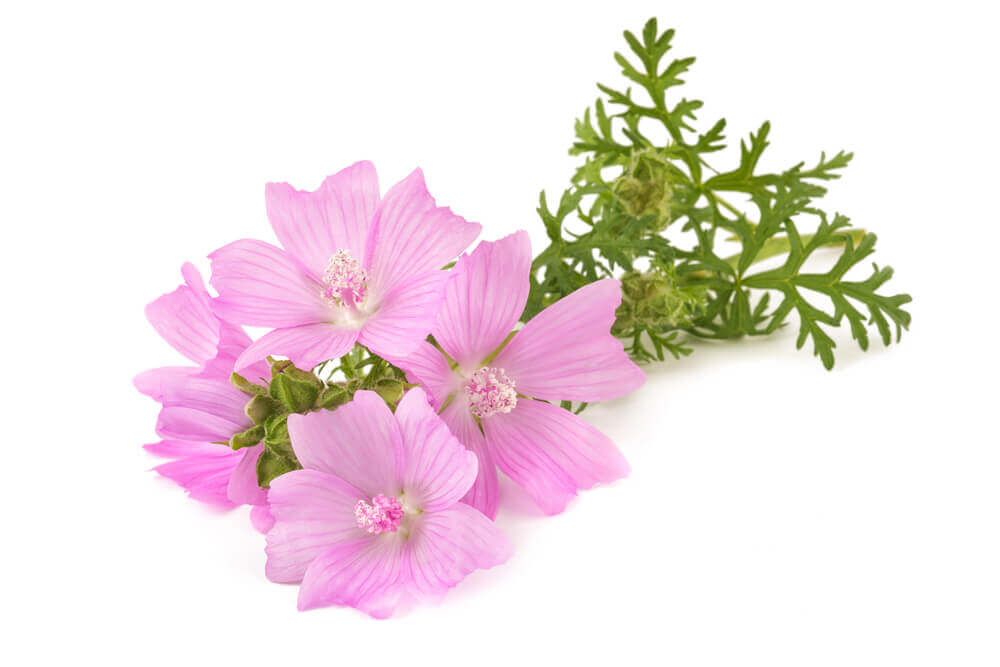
(194, 281)
(188, 424)
(243, 489)
(366, 574)
(260, 285)
(484, 494)
(186, 322)
(411, 236)
(202, 469)
(173, 449)
(485, 299)
(312, 511)
(150, 383)
(437, 468)
(405, 316)
(444, 547)
(359, 442)
(567, 352)
(233, 341)
(313, 226)
(307, 345)
(551, 452)
(218, 398)
(261, 518)
(428, 367)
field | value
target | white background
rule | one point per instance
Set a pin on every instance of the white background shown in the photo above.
(778, 514)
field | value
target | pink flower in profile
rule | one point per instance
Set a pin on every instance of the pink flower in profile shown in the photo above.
(374, 520)
(355, 268)
(200, 406)
(566, 352)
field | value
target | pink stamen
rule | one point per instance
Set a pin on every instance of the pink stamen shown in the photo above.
(346, 282)
(383, 515)
(490, 391)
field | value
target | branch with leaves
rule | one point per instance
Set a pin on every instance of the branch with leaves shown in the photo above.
(631, 188)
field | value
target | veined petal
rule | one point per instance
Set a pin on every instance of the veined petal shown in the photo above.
(202, 469)
(360, 442)
(437, 468)
(428, 367)
(366, 574)
(312, 226)
(151, 382)
(405, 316)
(243, 488)
(444, 547)
(567, 352)
(411, 236)
(551, 452)
(216, 397)
(306, 345)
(261, 518)
(484, 494)
(485, 299)
(186, 322)
(260, 285)
(312, 511)
(182, 423)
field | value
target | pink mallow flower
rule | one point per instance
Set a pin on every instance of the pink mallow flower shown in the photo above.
(566, 352)
(200, 406)
(374, 519)
(355, 268)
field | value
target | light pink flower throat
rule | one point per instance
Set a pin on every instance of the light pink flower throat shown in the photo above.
(490, 391)
(346, 282)
(383, 515)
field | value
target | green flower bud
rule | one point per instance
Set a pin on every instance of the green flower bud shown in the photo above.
(653, 300)
(390, 390)
(645, 187)
(261, 407)
(332, 397)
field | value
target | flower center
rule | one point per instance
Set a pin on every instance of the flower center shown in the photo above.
(490, 391)
(346, 282)
(383, 515)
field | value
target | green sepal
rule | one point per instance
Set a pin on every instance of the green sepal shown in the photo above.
(332, 397)
(297, 395)
(247, 438)
(271, 465)
(285, 367)
(390, 390)
(246, 385)
(261, 408)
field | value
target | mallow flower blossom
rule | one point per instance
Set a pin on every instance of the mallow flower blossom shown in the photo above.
(355, 268)
(200, 407)
(374, 520)
(487, 391)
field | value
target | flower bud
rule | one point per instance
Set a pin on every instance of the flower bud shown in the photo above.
(653, 300)
(645, 187)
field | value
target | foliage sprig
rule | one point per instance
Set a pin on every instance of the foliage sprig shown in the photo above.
(632, 187)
